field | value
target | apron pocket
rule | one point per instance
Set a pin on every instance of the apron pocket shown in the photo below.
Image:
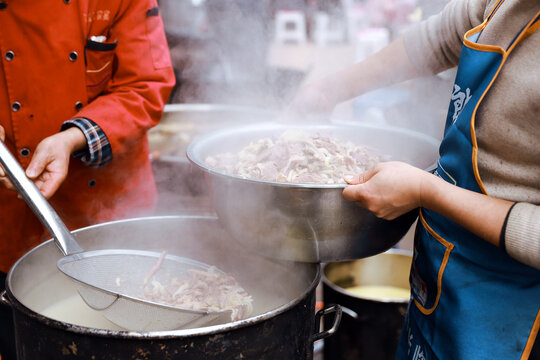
(99, 57)
(431, 255)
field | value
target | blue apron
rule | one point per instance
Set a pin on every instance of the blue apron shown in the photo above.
(470, 300)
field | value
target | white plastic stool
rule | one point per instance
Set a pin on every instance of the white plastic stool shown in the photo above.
(290, 27)
(369, 41)
(326, 31)
(357, 18)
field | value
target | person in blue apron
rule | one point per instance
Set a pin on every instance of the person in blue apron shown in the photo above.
(469, 298)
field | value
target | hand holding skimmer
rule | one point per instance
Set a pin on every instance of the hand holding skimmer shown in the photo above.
(111, 280)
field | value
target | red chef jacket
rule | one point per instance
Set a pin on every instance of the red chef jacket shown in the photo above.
(105, 60)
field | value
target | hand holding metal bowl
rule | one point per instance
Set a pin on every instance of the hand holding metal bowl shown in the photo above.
(307, 222)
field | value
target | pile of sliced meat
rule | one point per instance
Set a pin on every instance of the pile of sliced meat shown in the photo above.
(209, 290)
(298, 157)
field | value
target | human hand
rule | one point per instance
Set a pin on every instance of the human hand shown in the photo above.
(49, 165)
(310, 104)
(388, 190)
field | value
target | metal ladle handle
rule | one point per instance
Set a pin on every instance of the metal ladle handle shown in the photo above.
(39, 205)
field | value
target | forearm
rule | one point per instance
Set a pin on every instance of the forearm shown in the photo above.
(389, 66)
(390, 189)
(481, 214)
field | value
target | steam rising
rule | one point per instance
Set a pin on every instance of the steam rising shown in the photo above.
(220, 52)
(224, 52)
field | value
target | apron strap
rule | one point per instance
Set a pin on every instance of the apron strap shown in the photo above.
(494, 10)
(525, 31)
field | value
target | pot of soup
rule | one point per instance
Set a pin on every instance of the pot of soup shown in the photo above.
(53, 322)
(374, 293)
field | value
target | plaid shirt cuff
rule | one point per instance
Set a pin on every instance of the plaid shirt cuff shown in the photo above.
(99, 152)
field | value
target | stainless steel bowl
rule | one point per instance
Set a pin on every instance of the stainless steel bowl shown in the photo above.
(307, 222)
(179, 183)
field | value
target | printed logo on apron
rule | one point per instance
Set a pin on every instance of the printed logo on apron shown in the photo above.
(460, 99)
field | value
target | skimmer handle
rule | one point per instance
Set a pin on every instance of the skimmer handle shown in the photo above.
(39, 205)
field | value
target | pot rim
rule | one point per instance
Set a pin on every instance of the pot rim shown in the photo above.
(16, 304)
(349, 294)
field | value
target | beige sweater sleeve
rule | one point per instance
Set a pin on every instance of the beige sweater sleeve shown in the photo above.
(522, 235)
(435, 43)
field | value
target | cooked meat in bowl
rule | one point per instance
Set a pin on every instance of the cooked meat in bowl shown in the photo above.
(298, 156)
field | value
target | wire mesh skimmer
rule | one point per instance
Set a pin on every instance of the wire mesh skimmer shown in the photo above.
(110, 280)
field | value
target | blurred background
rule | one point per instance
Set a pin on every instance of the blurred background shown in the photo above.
(257, 53)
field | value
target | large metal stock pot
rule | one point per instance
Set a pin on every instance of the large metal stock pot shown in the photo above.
(52, 322)
(307, 222)
(371, 325)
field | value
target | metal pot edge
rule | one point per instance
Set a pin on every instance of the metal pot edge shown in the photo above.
(14, 303)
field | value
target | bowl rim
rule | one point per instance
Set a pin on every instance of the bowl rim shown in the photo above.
(197, 161)
(207, 107)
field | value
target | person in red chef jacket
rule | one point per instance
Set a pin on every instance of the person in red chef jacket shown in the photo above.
(81, 82)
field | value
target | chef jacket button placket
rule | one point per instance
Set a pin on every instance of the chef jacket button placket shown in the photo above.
(3, 5)
(25, 152)
(10, 55)
(91, 183)
(16, 106)
(73, 56)
(78, 105)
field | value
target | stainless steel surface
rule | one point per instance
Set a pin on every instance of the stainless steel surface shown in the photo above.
(3, 298)
(41, 207)
(180, 185)
(374, 295)
(331, 309)
(307, 222)
(181, 188)
(95, 273)
(387, 269)
(38, 284)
